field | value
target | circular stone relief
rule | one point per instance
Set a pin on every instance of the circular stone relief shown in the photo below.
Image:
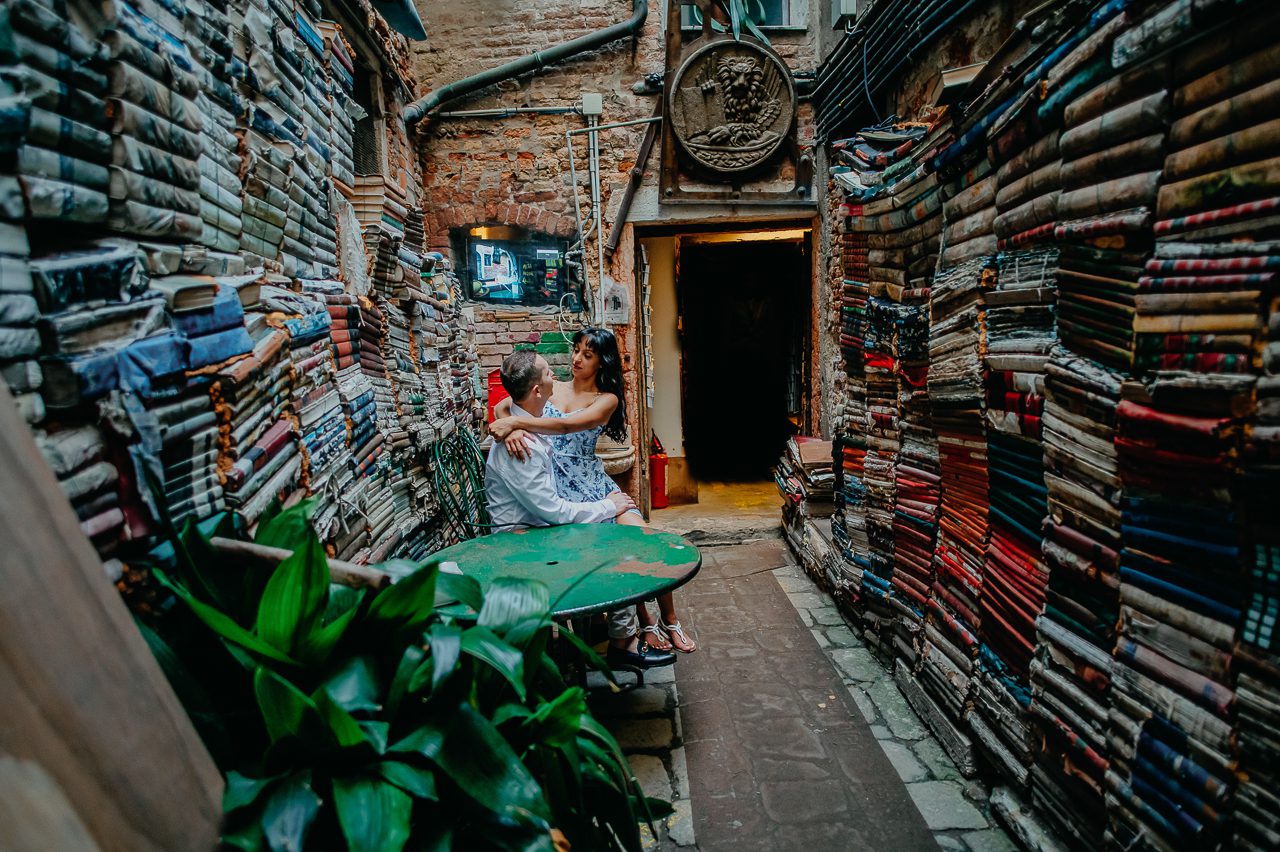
(731, 105)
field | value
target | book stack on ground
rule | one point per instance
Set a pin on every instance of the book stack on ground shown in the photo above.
(956, 341)
(805, 479)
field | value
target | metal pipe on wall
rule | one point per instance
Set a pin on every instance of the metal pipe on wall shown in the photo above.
(421, 108)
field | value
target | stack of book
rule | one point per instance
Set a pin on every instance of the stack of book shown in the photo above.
(57, 119)
(210, 41)
(340, 65)
(805, 479)
(19, 310)
(956, 384)
(380, 202)
(258, 447)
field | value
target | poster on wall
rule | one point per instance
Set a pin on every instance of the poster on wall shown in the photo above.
(617, 302)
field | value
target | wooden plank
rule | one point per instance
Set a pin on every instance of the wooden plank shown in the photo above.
(35, 815)
(345, 573)
(83, 698)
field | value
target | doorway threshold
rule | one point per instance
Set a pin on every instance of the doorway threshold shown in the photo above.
(726, 513)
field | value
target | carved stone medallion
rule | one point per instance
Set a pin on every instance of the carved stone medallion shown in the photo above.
(731, 105)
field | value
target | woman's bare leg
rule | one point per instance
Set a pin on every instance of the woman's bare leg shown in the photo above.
(666, 607)
(656, 638)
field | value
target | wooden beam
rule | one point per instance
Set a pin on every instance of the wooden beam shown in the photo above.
(346, 573)
(83, 698)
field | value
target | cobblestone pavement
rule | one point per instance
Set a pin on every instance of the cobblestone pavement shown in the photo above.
(784, 731)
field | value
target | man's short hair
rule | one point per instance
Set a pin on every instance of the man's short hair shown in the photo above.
(520, 373)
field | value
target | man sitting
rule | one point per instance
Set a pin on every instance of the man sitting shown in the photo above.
(523, 494)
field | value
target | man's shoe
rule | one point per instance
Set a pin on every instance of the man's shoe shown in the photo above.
(643, 657)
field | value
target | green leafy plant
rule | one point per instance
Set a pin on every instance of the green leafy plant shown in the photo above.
(424, 715)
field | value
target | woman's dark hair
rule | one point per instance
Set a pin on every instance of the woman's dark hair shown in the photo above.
(609, 377)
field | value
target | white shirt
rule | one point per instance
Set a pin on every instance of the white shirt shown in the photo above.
(523, 493)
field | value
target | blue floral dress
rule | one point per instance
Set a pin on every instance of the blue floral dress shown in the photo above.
(580, 476)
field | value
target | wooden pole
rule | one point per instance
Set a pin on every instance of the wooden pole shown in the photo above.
(81, 696)
(345, 573)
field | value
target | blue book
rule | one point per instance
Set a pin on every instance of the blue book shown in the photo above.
(215, 348)
(225, 312)
(69, 381)
(151, 360)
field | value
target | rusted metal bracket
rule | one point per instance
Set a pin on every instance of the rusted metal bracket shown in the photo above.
(634, 179)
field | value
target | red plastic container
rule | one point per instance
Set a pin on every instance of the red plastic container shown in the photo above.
(497, 393)
(658, 480)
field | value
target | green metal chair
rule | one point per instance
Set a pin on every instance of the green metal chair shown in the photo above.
(458, 474)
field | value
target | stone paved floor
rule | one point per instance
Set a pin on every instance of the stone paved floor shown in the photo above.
(956, 811)
(784, 731)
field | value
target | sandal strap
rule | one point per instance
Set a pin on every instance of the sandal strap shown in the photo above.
(676, 628)
(657, 631)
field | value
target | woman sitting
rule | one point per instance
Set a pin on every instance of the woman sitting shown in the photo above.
(578, 412)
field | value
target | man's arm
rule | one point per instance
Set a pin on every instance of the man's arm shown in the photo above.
(535, 491)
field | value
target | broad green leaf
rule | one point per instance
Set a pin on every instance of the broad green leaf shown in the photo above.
(593, 731)
(419, 781)
(735, 18)
(288, 529)
(510, 711)
(510, 600)
(484, 645)
(427, 741)
(215, 579)
(250, 837)
(522, 633)
(289, 812)
(590, 656)
(374, 814)
(412, 657)
(219, 623)
(342, 599)
(269, 514)
(320, 644)
(458, 588)
(408, 604)
(209, 721)
(398, 569)
(295, 596)
(354, 686)
(446, 649)
(375, 733)
(657, 808)
(483, 765)
(556, 722)
(243, 791)
(345, 730)
(283, 705)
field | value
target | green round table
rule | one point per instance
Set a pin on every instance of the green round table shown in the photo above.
(623, 564)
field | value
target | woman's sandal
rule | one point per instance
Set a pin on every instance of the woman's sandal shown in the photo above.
(674, 630)
(657, 639)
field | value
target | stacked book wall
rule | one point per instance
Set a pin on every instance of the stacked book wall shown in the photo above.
(897, 219)
(180, 325)
(849, 527)
(1103, 347)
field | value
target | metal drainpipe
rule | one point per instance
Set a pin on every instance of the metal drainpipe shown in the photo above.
(419, 109)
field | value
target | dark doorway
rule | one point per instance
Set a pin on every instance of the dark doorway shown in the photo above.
(744, 323)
